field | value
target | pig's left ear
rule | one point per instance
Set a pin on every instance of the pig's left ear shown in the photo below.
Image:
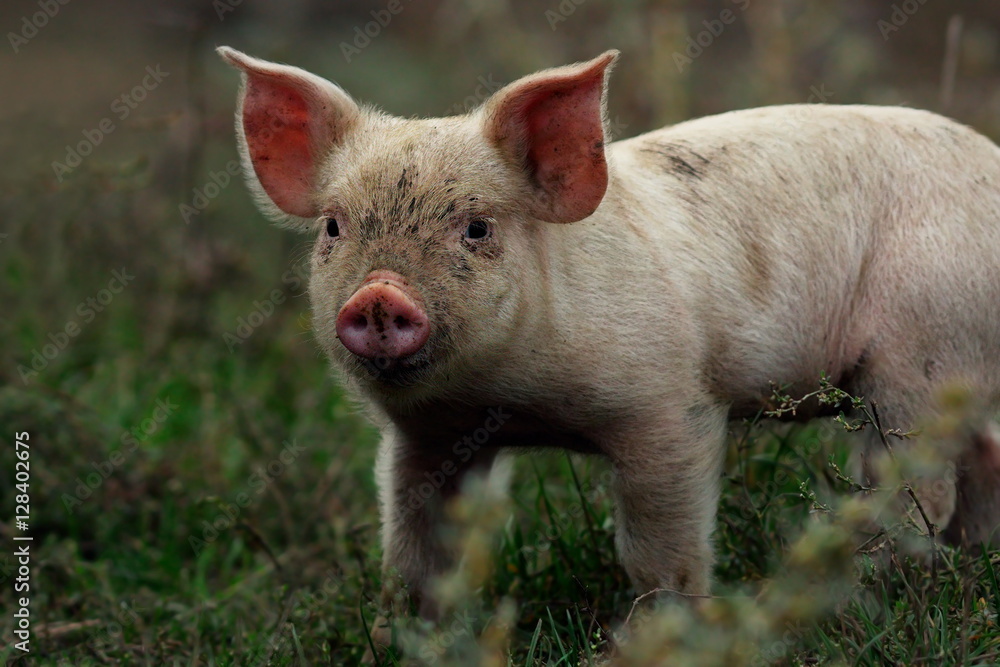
(550, 126)
(287, 122)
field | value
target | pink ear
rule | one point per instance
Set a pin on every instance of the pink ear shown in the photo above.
(551, 126)
(288, 120)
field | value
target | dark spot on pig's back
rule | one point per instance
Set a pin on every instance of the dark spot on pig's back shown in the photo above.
(681, 166)
(679, 159)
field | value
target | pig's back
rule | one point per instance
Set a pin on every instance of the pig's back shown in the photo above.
(807, 237)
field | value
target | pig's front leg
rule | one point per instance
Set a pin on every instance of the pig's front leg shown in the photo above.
(416, 480)
(667, 488)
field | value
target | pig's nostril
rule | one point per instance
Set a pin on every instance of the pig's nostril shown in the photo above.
(402, 323)
(359, 321)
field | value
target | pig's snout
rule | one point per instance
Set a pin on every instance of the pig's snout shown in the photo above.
(381, 321)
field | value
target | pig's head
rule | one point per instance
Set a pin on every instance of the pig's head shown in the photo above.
(427, 232)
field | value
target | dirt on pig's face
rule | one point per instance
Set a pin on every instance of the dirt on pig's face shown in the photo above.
(419, 230)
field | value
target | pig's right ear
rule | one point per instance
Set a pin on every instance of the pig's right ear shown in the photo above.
(550, 127)
(287, 122)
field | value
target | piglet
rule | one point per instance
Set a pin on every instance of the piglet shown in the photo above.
(508, 278)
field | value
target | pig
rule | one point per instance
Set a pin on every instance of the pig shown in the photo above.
(510, 279)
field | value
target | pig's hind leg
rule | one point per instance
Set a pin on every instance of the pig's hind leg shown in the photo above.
(957, 478)
(977, 512)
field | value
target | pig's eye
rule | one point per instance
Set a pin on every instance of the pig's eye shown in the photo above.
(477, 230)
(332, 229)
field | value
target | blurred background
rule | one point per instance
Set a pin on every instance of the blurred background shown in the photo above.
(155, 338)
